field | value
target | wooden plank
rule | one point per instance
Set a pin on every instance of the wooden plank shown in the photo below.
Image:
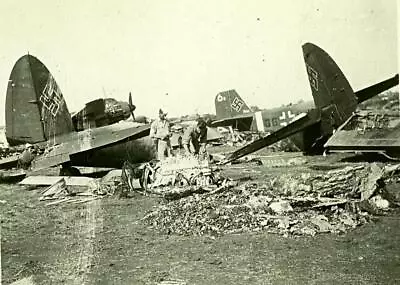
(86, 200)
(58, 201)
(85, 194)
(50, 180)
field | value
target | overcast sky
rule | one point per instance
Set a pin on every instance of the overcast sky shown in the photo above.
(191, 50)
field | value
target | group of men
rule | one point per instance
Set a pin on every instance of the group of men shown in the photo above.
(194, 139)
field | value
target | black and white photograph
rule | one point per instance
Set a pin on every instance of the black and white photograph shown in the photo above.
(188, 142)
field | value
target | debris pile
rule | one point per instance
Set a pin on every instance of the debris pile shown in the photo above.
(10, 151)
(60, 192)
(175, 177)
(298, 204)
(239, 138)
(372, 121)
(18, 150)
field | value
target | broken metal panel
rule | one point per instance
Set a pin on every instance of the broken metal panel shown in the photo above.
(368, 131)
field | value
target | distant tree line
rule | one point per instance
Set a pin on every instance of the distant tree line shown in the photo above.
(255, 108)
(388, 100)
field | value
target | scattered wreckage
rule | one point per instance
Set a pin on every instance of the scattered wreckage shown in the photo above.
(75, 189)
(368, 131)
(199, 198)
(175, 177)
(306, 203)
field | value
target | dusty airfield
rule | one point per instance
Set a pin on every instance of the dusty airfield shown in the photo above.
(106, 242)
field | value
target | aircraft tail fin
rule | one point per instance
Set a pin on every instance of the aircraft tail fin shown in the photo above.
(330, 88)
(229, 104)
(35, 107)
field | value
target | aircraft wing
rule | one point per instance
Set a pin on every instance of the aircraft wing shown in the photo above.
(89, 139)
(302, 122)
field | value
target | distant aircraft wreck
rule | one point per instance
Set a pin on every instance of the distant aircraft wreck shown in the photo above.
(334, 99)
(232, 110)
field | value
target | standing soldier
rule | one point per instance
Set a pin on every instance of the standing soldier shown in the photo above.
(26, 157)
(197, 136)
(160, 133)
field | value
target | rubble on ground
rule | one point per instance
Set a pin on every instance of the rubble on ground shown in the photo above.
(175, 177)
(10, 151)
(18, 150)
(61, 193)
(240, 138)
(303, 203)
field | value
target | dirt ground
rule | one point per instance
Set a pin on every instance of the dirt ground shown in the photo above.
(106, 242)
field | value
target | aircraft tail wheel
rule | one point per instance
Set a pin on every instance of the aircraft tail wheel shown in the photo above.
(69, 171)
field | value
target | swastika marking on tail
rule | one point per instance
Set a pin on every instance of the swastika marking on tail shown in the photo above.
(312, 77)
(51, 97)
(237, 104)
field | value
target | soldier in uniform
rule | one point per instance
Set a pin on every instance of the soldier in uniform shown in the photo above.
(160, 133)
(196, 136)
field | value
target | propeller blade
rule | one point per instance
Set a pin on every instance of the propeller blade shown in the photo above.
(131, 106)
(130, 99)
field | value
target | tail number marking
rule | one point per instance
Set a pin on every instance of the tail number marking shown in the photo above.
(221, 98)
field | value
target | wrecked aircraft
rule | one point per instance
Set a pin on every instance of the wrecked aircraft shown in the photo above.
(335, 101)
(36, 113)
(368, 132)
(232, 110)
(103, 112)
(96, 136)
